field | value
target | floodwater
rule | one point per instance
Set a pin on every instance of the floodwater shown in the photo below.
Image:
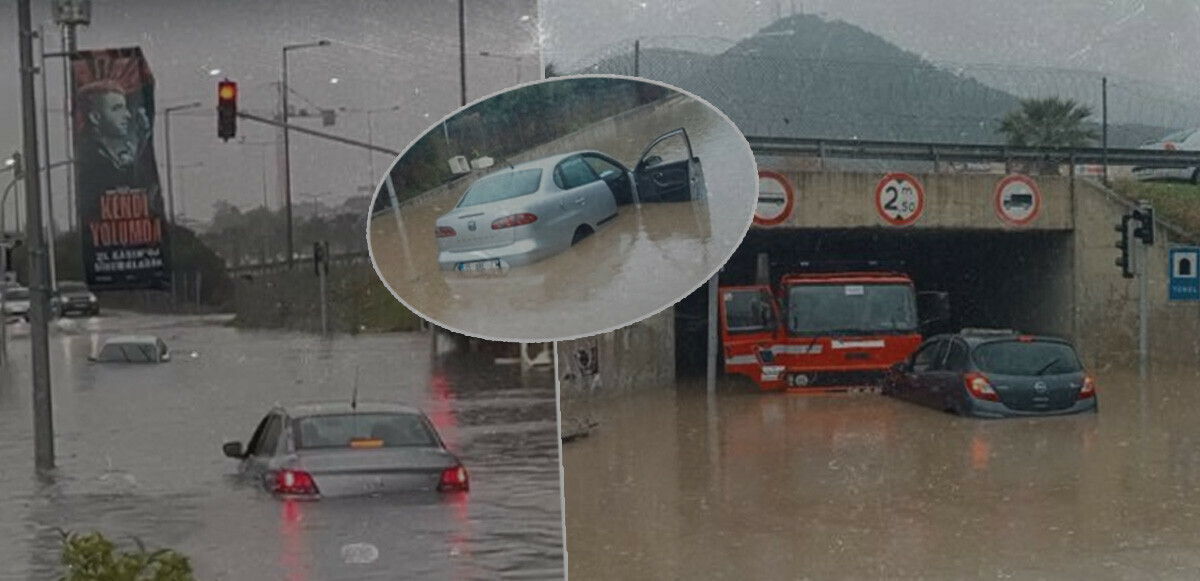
(779, 486)
(647, 259)
(139, 455)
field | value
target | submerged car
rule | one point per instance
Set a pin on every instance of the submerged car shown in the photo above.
(74, 297)
(325, 450)
(16, 302)
(133, 349)
(531, 211)
(994, 373)
(1188, 140)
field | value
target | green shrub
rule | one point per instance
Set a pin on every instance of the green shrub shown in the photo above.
(92, 557)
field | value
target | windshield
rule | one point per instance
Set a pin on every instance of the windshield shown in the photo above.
(363, 430)
(128, 353)
(842, 308)
(502, 187)
(72, 287)
(1026, 358)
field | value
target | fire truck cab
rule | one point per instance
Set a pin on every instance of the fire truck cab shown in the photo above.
(824, 330)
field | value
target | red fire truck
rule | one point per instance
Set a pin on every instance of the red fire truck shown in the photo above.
(824, 330)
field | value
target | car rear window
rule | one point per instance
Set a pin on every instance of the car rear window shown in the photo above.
(1026, 358)
(502, 186)
(362, 430)
(128, 353)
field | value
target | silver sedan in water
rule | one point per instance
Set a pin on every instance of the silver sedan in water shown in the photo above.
(342, 449)
(531, 211)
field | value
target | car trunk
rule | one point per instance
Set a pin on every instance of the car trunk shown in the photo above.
(1044, 393)
(473, 228)
(348, 472)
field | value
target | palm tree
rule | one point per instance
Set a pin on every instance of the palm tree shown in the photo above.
(1049, 122)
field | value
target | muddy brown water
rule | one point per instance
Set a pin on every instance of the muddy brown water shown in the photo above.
(646, 260)
(139, 455)
(767, 486)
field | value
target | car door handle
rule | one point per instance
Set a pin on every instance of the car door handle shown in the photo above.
(581, 200)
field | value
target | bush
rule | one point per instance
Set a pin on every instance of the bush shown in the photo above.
(92, 557)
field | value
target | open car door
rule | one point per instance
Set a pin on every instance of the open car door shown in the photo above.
(668, 171)
(749, 317)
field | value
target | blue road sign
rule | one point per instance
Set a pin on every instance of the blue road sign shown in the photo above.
(1184, 264)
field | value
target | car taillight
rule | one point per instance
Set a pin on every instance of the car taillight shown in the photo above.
(980, 387)
(513, 221)
(454, 480)
(295, 482)
(1089, 388)
(445, 232)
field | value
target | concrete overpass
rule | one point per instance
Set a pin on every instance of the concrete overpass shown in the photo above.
(1051, 273)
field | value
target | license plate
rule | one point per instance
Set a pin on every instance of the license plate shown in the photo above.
(479, 265)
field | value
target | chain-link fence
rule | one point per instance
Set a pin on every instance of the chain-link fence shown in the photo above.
(778, 85)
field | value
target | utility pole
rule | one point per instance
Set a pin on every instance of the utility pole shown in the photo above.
(713, 350)
(462, 51)
(43, 415)
(1104, 123)
(637, 57)
(41, 35)
(171, 183)
(70, 14)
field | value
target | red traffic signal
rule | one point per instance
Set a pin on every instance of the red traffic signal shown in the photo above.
(226, 109)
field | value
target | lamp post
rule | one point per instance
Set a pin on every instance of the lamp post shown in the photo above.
(510, 57)
(287, 160)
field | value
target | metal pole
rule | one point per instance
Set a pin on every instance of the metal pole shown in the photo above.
(170, 202)
(287, 165)
(1104, 122)
(462, 51)
(4, 274)
(370, 152)
(68, 48)
(46, 151)
(43, 415)
(637, 56)
(713, 349)
(1143, 271)
(322, 270)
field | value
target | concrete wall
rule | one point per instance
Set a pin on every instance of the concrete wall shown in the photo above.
(847, 200)
(1106, 321)
(631, 359)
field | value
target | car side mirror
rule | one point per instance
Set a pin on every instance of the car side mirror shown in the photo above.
(233, 450)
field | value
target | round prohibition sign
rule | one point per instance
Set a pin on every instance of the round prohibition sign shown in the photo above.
(775, 198)
(1018, 200)
(899, 199)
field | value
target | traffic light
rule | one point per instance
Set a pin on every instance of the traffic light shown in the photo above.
(227, 109)
(1123, 246)
(1144, 229)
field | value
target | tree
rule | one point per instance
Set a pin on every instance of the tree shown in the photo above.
(1049, 122)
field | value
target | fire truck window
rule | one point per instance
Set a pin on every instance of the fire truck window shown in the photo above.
(749, 311)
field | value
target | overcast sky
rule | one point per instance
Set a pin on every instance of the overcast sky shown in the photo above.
(1155, 40)
(384, 53)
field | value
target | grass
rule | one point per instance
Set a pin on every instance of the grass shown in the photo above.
(1175, 202)
(369, 306)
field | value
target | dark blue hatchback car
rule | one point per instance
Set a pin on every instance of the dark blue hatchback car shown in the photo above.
(994, 373)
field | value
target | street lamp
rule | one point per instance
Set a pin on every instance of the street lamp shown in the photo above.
(287, 159)
(510, 57)
(370, 131)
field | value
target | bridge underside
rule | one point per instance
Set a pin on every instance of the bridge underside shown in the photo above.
(995, 278)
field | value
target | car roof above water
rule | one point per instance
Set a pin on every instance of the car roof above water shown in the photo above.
(307, 409)
(131, 339)
(543, 163)
(975, 336)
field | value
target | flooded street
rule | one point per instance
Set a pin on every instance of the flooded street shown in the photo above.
(139, 454)
(645, 260)
(771, 486)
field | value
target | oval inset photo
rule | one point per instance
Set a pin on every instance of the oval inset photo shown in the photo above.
(562, 208)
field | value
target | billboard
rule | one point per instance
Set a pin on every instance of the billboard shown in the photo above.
(119, 198)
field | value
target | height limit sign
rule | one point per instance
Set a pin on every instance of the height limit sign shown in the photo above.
(899, 199)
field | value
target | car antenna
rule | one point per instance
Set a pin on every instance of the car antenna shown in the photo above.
(354, 396)
(510, 165)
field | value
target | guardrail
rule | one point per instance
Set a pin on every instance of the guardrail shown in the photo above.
(343, 258)
(953, 152)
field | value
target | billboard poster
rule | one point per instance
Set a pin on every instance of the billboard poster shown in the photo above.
(119, 198)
